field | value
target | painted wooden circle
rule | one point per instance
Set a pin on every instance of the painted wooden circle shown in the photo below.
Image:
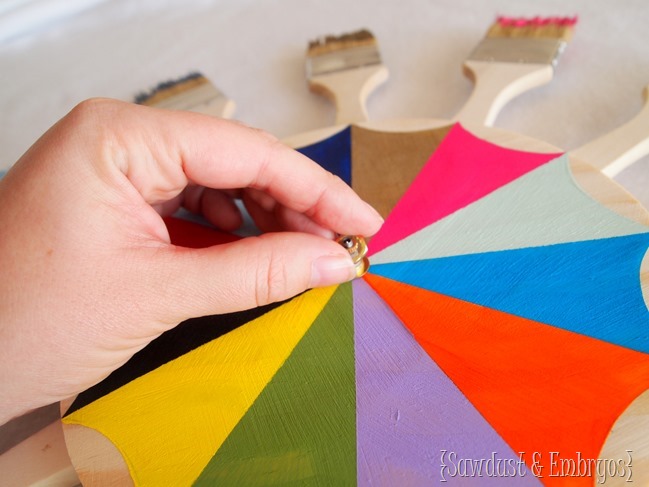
(503, 318)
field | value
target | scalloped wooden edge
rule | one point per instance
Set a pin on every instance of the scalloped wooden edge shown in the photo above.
(95, 458)
(629, 433)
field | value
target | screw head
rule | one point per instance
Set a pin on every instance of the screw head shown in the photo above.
(357, 248)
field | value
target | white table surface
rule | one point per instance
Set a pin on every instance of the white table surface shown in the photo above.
(254, 51)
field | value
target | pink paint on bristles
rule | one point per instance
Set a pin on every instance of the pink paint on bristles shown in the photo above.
(537, 21)
(569, 20)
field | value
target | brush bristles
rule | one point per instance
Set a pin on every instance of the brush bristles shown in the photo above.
(525, 40)
(329, 44)
(536, 27)
(170, 88)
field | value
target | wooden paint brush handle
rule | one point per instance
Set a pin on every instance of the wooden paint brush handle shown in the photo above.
(349, 90)
(221, 108)
(495, 84)
(618, 149)
(194, 93)
(208, 99)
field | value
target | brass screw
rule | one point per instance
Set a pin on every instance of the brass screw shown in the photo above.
(357, 248)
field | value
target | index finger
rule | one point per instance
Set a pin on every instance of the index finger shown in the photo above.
(222, 154)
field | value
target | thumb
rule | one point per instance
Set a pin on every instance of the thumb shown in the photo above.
(251, 272)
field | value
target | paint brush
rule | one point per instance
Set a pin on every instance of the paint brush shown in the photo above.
(346, 69)
(516, 55)
(193, 92)
(613, 152)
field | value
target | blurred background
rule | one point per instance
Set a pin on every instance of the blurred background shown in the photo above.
(55, 53)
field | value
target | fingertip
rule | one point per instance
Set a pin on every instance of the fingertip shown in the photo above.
(250, 272)
(374, 221)
(328, 270)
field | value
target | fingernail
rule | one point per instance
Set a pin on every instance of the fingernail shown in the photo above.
(332, 269)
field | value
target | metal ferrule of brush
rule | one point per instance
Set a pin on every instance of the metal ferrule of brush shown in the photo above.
(520, 50)
(342, 60)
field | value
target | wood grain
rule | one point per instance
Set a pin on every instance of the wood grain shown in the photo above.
(589, 287)
(627, 441)
(388, 154)
(384, 164)
(95, 458)
(497, 83)
(167, 428)
(462, 170)
(302, 427)
(540, 387)
(608, 192)
(409, 411)
(613, 152)
(349, 89)
(544, 207)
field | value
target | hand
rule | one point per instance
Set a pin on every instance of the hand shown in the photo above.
(89, 276)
